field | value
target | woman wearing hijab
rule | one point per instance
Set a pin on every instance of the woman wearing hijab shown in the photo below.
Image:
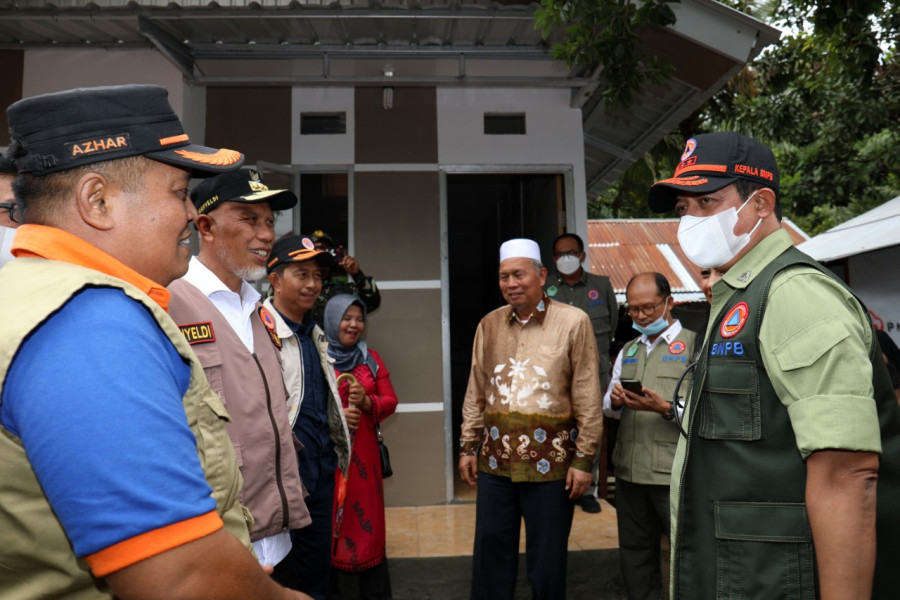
(368, 398)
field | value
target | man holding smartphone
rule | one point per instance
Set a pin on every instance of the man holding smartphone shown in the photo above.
(644, 379)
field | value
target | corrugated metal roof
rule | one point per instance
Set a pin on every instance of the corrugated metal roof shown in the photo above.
(622, 248)
(872, 230)
(426, 42)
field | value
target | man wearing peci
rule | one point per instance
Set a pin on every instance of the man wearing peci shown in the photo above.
(119, 480)
(531, 424)
(787, 482)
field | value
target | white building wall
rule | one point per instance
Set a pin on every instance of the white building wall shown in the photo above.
(553, 135)
(56, 70)
(322, 149)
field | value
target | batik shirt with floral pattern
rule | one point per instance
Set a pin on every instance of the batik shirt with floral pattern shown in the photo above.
(533, 404)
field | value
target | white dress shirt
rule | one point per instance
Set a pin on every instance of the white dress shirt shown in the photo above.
(238, 310)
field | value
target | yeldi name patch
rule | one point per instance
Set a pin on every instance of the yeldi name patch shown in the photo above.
(198, 333)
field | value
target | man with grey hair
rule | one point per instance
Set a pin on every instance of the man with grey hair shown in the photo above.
(234, 338)
(531, 425)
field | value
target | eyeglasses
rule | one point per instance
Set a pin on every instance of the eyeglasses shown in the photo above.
(647, 309)
(10, 207)
(567, 253)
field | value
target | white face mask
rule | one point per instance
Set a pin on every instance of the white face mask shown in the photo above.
(710, 241)
(568, 264)
(6, 239)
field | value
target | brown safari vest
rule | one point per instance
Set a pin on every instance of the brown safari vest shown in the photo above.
(252, 388)
(36, 558)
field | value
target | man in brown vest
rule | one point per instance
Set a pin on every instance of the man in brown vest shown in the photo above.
(234, 337)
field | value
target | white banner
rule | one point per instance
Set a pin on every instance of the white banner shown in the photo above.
(874, 276)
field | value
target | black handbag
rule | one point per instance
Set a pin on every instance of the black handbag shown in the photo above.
(386, 470)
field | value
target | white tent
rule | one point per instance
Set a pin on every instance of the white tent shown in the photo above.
(866, 252)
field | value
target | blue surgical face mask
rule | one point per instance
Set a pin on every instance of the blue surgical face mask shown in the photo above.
(657, 326)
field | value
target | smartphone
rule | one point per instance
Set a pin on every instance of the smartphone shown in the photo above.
(632, 385)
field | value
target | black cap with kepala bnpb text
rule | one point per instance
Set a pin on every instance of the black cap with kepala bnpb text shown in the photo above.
(711, 161)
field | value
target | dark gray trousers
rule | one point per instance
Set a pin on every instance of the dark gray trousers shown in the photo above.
(642, 512)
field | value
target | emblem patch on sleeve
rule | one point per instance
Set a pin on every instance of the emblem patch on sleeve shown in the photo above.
(198, 333)
(266, 317)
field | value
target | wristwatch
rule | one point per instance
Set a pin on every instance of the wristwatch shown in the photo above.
(669, 414)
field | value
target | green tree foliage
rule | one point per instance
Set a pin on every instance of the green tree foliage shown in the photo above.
(825, 98)
(605, 34)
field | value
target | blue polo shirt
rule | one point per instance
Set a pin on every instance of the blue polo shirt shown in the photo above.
(95, 395)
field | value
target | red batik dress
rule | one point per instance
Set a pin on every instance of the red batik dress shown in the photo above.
(359, 537)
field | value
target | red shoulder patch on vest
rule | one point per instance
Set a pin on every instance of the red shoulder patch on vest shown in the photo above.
(676, 347)
(266, 317)
(198, 333)
(735, 319)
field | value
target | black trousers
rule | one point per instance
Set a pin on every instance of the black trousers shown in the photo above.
(374, 583)
(642, 513)
(500, 507)
(308, 567)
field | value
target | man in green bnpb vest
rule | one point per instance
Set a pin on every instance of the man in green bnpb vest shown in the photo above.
(787, 484)
(644, 377)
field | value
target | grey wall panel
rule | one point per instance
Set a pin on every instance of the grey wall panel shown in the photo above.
(406, 332)
(417, 456)
(397, 225)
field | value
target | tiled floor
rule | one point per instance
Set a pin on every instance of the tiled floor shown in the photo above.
(448, 530)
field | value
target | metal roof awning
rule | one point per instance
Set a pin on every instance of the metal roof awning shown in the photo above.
(405, 42)
(872, 230)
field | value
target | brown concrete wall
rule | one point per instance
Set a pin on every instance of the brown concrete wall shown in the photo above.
(255, 121)
(11, 72)
(406, 133)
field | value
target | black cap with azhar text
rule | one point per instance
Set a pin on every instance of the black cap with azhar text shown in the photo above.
(711, 161)
(63, 130)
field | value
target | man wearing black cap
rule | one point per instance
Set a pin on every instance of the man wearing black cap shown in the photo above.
(344, 277)
(118, 477)
(234, 338)
(778, 489)
(296, 271)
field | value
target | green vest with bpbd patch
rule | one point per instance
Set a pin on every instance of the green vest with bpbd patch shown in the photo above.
(742, 529)
(646, 442)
